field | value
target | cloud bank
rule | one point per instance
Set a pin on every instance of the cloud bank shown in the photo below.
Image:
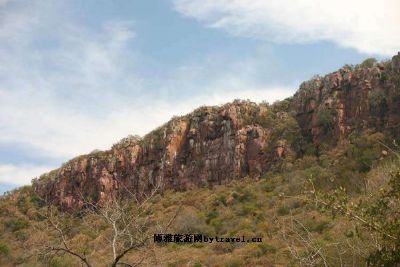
(19, 175)
(368, 26)
(67, 89)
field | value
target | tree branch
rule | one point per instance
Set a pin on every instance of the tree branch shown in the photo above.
(83, 259)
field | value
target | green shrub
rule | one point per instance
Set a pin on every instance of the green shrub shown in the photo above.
(216, 223)
(348, 66)
(282, 105)
(268, 186)
(369, 62)
(249, 209)
(16, 224)
(4, 250)
(234, 262)
(294, 205)
(265, 119)
(211, 215)
(243, 195)
(58, 261)
(326, 118)
(377, 103)
(221, 199)
(364, 164)
(317, 226)
(266, 248)
(283, 210)
(197, 264)
(21, 235)
(190, 223)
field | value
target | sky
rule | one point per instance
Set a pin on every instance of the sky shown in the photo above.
(76, 76)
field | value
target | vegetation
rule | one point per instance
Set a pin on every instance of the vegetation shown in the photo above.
(368, 63)
(375, 215)
(326, 118)
(378, 103)
(322, 203)
(278, 208)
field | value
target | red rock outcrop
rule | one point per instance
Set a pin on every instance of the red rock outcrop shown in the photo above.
(214, 145)
(352, 98)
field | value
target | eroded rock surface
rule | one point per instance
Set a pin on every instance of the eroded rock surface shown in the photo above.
(214, 145)
(210, 146)
(351, 99)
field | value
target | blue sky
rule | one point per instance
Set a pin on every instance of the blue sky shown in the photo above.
(80, 75)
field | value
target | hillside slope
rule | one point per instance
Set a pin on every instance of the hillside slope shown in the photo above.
(237, 170)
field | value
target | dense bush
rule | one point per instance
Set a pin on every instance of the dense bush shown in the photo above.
(326, 118)
(376, 213)
(368, 63)
(16, 224)
(377, 103)
(4, 250)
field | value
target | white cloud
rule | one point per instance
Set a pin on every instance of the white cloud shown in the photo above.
(369, 26)
(56, 132)
(20, 174)
(73, 90)
(62, 101)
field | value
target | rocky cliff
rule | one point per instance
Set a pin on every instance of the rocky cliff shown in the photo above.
(366, 96)
(214, 145)
(209, 146)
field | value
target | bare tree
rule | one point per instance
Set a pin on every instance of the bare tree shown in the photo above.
(301, 244)
(55, 221)
(307, 250)
(129, 226)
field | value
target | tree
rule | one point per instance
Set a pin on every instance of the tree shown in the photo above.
(127, 223)
(301, 244)
(368, 63)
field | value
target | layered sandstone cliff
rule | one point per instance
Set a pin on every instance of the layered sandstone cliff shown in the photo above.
(214, 145)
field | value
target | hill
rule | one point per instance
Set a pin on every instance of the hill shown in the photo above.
(214, 145)
(237, 170)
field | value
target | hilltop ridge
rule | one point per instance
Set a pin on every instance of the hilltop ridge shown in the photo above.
(214, 145)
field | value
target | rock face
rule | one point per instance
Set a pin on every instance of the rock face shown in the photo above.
(210, 146)
(350, 99)
(214, 145)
